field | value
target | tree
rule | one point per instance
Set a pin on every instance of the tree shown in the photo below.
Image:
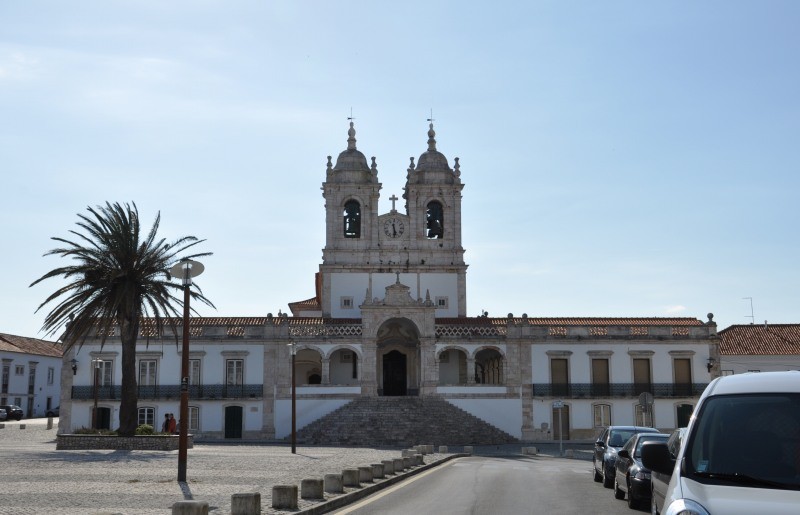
(117, 280)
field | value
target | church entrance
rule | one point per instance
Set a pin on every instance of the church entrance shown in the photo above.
(394, 374)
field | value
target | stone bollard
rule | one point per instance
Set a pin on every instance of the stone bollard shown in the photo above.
(388, 466)
(407, 462)
(246, 504)
(49, 422)
(333, 483)
(350, 477)
(284, 497)
(407, 452)
(569, 453)
(420, 459)
(467, 449)
(22, 426)
(365, 474)
(377, 471)
(311, 489)
(398, 465)
(2, 426)
(190, 508)
(442, 449)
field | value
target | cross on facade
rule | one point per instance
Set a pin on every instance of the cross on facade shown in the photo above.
(394, 199)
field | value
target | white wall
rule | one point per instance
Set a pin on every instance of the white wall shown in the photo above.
(742, 364)
(308, 410)
(355, 285)
(505, 414)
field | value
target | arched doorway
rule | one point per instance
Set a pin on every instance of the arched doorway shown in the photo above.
(394, 374)
(398, 368)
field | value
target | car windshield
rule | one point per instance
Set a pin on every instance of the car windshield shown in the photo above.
(618, 437)
(749, 439)
(647, 438)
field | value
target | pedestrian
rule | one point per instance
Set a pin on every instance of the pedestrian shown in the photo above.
(172, 423)
(165, 424)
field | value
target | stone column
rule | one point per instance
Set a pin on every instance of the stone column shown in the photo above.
(369, 369)
(326, 371)
(428, 369)
(470, 371)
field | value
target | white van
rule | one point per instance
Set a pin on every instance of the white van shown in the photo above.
(741, 453)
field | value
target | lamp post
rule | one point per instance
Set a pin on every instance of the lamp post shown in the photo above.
(185, 269)
(294, 400)
(96, 363)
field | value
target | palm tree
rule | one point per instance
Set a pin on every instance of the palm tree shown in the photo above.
(117, 279)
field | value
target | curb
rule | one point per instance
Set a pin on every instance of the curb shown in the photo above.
(351, 497)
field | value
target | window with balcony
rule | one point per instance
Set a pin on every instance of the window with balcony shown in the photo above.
(559, 376)
(641, 375)
(234, 372)
(147, 372)
(600, 379)
(682, 376)
(194, 372)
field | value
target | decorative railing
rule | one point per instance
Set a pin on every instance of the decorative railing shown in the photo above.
(589, 390)
(326, 330)
(467, 331)
(173, 391)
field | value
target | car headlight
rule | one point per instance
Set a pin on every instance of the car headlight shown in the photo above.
(642, 475)
(685, 507)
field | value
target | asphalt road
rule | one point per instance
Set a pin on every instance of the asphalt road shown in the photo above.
(497, 485)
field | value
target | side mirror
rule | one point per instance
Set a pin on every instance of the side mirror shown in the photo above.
(624, 454)
(600, 443)
(656, 457)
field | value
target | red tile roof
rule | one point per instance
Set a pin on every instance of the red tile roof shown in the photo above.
(21, 344)
(760, 340)
(573, 321)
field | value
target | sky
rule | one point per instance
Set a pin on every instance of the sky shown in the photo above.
(630, 159)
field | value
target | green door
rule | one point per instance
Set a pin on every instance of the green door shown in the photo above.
(233, 422)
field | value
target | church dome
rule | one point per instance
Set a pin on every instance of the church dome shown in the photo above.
(432, 160)
(352, 160)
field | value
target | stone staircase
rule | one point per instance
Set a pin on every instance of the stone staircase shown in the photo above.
(401, 421)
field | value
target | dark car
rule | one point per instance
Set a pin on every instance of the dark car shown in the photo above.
(13, 411)
(608, 443)
(631, 477)
(658, 480)
(3, 414)
(52, 412)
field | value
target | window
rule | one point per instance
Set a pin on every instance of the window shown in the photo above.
(641, 375)
(51, 374)
(19, 370)
(352, 219)
(559, 376)
(600, 386)
(682, 373)
(602, 415)
(441, 302)
(234, 373)
(194, 418)
(194, 371)
(643, 415)
(347, 357)
(6, 373)
(726, 372)
(31, 381)
(147, 372)
(346, 302)
(435, 220)
(147, 415)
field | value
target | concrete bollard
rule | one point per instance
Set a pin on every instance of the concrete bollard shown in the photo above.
(365, 474)
(467, 449)
(246, 504)
(407, 452)
(388, 466)
(406, 462)
(49, 422)
(569, 453)
(377, 471)
(333, 483)
(311, 489)
(442, 449)
(284, 497)
(398, 465)
(22, 426)
(420, 459)
(190, 508)
(350, 477)
(2, 426)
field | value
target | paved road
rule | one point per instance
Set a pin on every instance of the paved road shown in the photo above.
(496, 486)
(37, 479)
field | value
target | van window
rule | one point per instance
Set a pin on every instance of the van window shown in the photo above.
(746, 440)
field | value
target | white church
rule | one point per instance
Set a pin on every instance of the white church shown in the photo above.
(387, 330)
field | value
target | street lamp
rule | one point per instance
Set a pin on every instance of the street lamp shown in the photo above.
(185, 269)
(96, 364)
(294, 400)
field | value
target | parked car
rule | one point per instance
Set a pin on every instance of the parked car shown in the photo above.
(3, 414)
(631, 477)
(608, 443)
(741, 452)
(13, 411)
(53, 412)
(658, 480)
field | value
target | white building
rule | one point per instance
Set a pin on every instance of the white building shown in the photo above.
(759, 348)
(388, 319)
(31, 375)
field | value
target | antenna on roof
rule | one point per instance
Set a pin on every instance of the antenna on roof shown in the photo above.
(751, 316)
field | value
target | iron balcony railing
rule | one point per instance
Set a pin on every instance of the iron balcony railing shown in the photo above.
(173, 391)
(590, 391)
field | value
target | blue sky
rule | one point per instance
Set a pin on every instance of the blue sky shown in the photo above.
(620, 158)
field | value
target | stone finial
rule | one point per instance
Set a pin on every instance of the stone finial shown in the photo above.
(411, 166)
(431, 138)
(710, 317)
(351, 138)
(374, 166)
(457, 168)
(330, 164)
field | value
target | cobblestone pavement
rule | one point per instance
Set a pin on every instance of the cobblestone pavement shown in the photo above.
(37, 479)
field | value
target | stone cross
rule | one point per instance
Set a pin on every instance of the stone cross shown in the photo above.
(394, 199)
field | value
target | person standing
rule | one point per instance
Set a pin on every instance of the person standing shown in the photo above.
(172, 423)
(165, 424)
